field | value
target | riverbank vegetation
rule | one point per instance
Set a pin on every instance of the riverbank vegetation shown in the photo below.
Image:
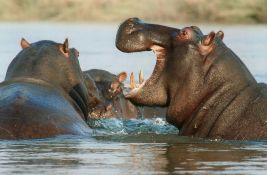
(202, 11)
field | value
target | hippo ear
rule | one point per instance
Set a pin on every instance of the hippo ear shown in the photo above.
(115, 86)
(122, 76)
(24, 43)
(66, 45)
(64, 48)
(208, 39)
(220, 34)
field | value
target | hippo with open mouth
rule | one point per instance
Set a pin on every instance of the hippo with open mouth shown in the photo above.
(209, 92)
(43, 94)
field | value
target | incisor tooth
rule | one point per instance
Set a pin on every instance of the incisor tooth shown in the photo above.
(132, 81)
(141, 77)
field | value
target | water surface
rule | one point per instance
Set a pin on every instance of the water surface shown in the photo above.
(137, 146)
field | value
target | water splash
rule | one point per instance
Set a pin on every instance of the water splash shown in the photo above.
(115, 126)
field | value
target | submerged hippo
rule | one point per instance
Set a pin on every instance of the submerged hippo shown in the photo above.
(43, 93)
(106, 94)
(209, 92)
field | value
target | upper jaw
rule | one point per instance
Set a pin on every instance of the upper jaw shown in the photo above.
(134, 35)
(144, 37)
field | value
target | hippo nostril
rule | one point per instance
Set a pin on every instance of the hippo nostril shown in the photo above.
(131, 25)
(133, 19)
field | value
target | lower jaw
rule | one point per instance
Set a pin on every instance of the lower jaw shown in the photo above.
(149, 83)
(139, 93)
(133, 92)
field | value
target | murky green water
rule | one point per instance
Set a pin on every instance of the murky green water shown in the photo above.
(140, 146)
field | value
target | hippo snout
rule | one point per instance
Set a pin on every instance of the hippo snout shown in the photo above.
(130, 25)
(134, 35)
(134, 19)
(131, 36)
(132, 22)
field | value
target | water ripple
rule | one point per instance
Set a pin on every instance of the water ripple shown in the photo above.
(114, 126)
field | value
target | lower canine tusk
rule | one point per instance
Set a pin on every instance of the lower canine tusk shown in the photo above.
(141, 77)
(132, 81)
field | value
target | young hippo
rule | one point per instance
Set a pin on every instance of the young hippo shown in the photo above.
(43, 94)
(209, 92)
(107, 91)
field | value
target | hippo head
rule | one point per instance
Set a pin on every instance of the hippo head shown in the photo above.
(134, 36)
(111, 88)
(187, 70)
(105, 92)
(55, 64)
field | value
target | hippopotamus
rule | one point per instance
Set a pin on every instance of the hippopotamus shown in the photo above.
(106, 94)
(208, 90)
(43, 93)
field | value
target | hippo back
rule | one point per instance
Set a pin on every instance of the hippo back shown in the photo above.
(30, 110)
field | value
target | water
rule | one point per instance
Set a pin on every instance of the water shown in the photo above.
(137, 146)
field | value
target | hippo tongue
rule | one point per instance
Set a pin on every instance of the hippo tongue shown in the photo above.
(153, 79)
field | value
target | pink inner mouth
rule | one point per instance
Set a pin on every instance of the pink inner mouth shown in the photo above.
(153, 79)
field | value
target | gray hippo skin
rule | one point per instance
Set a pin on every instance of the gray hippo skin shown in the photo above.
(209, 92)
(43, 94)
(106, 93)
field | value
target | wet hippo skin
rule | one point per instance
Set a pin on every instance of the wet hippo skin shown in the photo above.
(209, 92)
(106, 93)
(43, 94)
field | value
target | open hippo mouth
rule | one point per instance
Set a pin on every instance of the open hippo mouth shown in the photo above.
(135, 36)
(160, 53)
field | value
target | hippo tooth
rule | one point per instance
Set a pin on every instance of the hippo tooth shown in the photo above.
(132, 81)
(133, 91)
(141, 77)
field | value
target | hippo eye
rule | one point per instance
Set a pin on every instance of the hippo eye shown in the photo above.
(184, 33)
